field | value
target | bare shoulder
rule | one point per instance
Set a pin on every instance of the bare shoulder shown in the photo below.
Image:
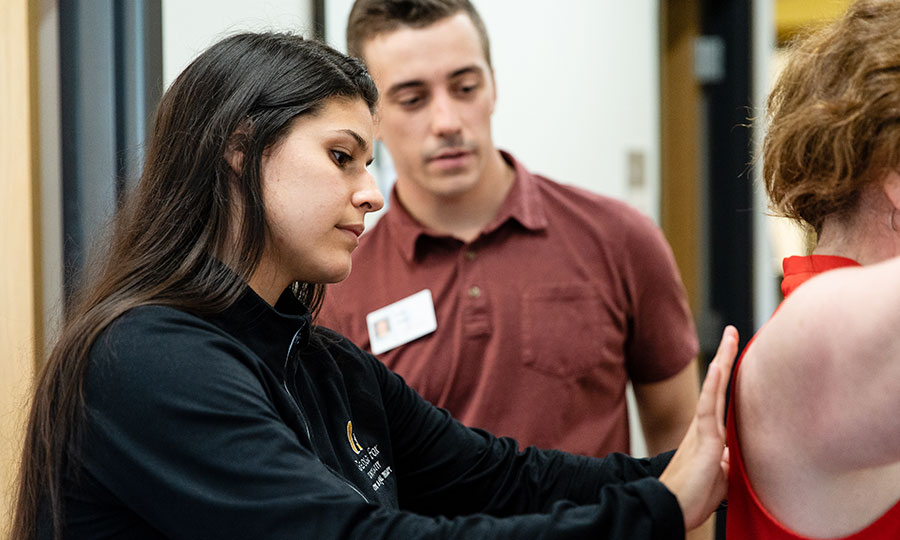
(816, 435)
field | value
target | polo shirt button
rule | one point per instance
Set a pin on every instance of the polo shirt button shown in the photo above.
(474, 292)
(470, 255)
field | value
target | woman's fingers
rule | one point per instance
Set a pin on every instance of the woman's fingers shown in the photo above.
(698, 472)
(711, 404)
(707, 404)
(724, 359)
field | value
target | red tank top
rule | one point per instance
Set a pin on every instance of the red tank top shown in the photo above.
(747, 518)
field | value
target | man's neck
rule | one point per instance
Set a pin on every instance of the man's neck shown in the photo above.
(466, 215)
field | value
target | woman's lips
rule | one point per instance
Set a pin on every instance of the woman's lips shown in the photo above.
(353, 231)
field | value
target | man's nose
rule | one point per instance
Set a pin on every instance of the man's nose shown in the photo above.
(445, 118)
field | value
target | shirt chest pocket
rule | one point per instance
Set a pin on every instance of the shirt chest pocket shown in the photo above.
(570, 330)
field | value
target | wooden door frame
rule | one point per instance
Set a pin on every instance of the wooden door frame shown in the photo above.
(680, 132)
(20, 273)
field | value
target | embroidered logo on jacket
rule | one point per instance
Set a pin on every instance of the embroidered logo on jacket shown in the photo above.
(354, 444)
(368, 461)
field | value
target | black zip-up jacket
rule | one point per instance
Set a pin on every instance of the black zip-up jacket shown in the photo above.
(251, 424)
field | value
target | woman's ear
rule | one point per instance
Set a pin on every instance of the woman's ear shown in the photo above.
(235, 158)
(891, 187)
(233, 153)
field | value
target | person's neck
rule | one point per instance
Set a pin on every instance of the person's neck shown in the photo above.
(867, 238)
(267, 284)
(466, 215)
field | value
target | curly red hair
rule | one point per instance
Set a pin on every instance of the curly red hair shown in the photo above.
(834, 115)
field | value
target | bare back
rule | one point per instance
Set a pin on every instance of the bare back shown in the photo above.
(818, 419)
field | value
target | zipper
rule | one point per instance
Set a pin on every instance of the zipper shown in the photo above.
(287, 360)
(306, 422)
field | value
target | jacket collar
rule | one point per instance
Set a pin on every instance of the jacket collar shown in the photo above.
(266, 330)
(522, 205)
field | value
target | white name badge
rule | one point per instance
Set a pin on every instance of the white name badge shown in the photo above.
(401, 322)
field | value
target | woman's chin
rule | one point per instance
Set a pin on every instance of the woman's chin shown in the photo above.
(339, 276)
(326, 273)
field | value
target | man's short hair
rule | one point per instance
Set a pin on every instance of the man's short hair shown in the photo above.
(369, 18)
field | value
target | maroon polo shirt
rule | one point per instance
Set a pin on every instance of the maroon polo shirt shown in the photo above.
(541, 320)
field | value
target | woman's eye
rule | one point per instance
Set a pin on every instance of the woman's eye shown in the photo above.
(341, 158)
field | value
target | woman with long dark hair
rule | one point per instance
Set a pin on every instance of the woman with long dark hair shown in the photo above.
(190, 395)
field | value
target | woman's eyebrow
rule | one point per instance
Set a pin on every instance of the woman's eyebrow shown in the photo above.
(363, 144)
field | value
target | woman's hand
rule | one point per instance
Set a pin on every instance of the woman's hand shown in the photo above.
(698, 472)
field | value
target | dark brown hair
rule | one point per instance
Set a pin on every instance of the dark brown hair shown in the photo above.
(369, 18)
(174, 232)
(834, 115)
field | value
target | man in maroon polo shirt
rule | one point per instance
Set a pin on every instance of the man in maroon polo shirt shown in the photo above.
(521, 305)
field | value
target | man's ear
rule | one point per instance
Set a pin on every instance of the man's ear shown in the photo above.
(376, 121)
(493, 91)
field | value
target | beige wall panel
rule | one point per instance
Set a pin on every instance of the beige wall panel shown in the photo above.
(18, 232)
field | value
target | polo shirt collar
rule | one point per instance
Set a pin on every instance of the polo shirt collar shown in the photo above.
(522, 205)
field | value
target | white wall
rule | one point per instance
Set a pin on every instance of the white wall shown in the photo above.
(578, 88)
(189, 27)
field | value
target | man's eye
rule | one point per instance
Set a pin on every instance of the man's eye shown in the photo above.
(341, 158)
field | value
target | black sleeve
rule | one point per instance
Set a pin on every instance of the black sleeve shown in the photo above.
(445, 468)
(182, 432)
